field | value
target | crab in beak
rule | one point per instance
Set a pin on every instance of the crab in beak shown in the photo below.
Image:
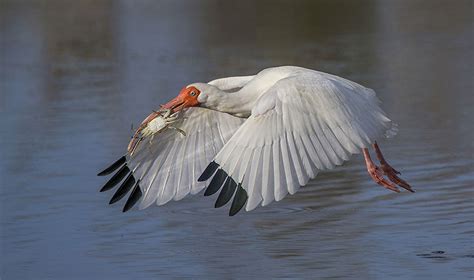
(187, 97)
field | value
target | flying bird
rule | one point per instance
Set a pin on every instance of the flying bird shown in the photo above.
(255, 138)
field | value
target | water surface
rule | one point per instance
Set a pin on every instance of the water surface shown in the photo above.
(75, 75)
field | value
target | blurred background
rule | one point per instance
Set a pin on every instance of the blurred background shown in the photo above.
(74, 76)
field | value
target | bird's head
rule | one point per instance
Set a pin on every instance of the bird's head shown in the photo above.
(193, 95)
(187, 97)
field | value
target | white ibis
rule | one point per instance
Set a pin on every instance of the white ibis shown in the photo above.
(258, 137)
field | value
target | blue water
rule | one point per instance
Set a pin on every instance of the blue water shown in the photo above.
(75, 75)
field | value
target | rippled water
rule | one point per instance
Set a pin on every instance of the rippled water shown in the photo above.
(76, 74)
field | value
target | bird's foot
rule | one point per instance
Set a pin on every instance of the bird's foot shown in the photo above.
(377, 173)
(391, 173)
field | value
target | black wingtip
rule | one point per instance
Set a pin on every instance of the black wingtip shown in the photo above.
(123, 189)
(227, 192)
(239, 200)
(210, 169)
(133, 198)
(216, 182)
(116, 178)
(113, 166)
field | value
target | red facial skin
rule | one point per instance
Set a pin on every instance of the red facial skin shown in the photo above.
(187, 97)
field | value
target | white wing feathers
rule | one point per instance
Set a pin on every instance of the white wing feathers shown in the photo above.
(231, 83)
(169, 166)
(301, 125)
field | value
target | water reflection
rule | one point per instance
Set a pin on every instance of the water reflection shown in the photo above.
(75, 75)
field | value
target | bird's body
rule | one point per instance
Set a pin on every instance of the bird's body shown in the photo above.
(260, 137)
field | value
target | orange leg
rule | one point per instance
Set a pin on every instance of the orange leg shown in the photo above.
(385, 169)
(385, 166)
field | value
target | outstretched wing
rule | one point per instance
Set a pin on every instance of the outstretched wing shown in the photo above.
(301, 125)
(167, 166)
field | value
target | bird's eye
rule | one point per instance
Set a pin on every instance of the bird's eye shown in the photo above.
(192, 93)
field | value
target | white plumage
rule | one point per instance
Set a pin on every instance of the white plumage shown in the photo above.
(170, 166)
(268, 134)
(304, 123)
